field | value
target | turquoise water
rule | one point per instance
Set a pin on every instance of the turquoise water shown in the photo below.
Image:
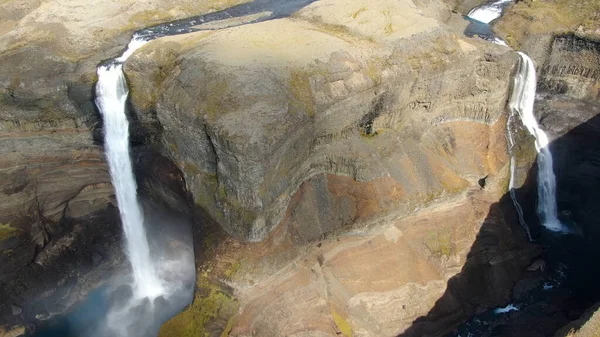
(83, 320)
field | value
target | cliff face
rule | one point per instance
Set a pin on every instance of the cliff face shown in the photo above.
(562, 38)
(343, 119)
(370, 118)
(572, 68)
(409, 114)
(57, 212)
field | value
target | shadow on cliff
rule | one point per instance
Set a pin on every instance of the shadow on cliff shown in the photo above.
(559, 285)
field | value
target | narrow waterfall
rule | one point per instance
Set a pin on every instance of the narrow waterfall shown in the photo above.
(521, 101)
(485, 14)
(111, 93)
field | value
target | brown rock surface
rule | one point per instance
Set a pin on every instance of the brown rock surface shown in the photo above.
(375, 90)
(376, 282)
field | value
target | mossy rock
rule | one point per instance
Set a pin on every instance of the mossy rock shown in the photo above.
(440, 242)
(211, 302)
(343, 326)
(7, 232)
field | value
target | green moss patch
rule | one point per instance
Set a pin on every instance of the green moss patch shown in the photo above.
(233, 269)
(211, 303)
(341, 323)
(7, 232)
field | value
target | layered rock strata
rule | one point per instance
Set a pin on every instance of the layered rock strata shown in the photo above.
(379, 94)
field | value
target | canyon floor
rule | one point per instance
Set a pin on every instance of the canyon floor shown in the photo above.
(372, 283)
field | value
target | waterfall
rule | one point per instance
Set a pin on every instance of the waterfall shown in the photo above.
(111, 97)
(521, 101)
(488, 12)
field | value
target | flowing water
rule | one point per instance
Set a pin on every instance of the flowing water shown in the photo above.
(521, 101)
(489, 12)
(503, 321)
(482, 16)
(163, 278)
(111, 93)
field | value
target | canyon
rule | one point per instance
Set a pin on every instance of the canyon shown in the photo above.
(343, 167)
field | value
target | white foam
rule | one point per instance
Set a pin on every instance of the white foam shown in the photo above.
(506, 309)
(488, 13)
(135, 44)
(521, 101)
(111, 97)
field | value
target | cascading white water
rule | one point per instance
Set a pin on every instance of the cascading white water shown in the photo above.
(521, 101)
(111, 97)
(489, 12)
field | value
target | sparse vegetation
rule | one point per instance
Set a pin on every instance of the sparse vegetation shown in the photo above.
(210, 302)
(341, 323)
(357, 13)
(6, 231)
(505, 183)
(233, 269)
(440, 242)
(301, 92)
(219, 100)
(547, 17)
(389, 28)
(173, 148)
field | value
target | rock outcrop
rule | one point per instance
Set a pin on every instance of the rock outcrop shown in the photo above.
(377, 128)
(377, 95)
(562, 38)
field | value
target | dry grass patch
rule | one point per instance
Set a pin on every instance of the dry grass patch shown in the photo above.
(547, 17)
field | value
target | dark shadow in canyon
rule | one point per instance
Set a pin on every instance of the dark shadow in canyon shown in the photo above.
(499, 269)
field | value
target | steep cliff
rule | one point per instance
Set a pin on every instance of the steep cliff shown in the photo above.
(57, 214)
(350, 139)
(407, 108)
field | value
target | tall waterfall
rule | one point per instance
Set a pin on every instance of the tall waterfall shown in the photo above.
(521, 101)
(111, 93)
